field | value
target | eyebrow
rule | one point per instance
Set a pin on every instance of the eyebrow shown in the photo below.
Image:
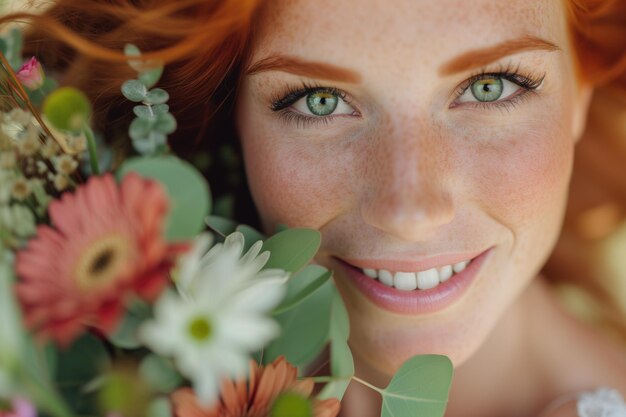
(298, 66)
(481, 57)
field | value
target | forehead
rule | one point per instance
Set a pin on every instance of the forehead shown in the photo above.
(397, 31)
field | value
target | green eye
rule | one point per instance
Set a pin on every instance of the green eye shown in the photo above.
(322, 103)
(487, 89)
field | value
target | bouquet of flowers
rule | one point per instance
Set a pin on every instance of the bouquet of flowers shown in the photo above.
(122, 295)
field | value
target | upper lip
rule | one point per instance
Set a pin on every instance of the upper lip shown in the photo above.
(416, 264)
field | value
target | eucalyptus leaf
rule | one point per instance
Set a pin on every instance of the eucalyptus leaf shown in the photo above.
(131, 50)
(160, 108)
(419, 388)
(144, 112)
(160, 407)
(145, 146)
(159, 373)
(125, 336)
(341, 361)
(304, 329)
(292, 249)
(156, 96)
(250, 234)
(165, 123)
(302, 285)
(150, 77)
(221, 225)
(140, 128)
(188, 191)
(134, 90)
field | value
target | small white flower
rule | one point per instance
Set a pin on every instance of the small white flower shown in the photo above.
(220, 315)
(60, 182)
(21, 188)
(50, 148)
(65, 164)
(19, 116)
(8, 160)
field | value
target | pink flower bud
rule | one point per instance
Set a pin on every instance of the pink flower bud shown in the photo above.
(19, 408)
(31, 74)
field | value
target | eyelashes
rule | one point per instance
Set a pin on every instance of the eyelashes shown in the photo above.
(528, 84)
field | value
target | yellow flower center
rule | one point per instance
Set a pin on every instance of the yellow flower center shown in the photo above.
(200, 329)
(103, 261)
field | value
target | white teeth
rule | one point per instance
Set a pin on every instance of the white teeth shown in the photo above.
(427, 279)
(405, 281)
(409, 281)
(460, 266)
(370, 272)
(385, 277)
(445, 273)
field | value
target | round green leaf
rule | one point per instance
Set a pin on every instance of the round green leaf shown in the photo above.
(292, 249)
(160, 108)
(144, 112)
(151, 77)
(190, 199)
(304, 329)
(156, 96)
(134, 90)
(140, 128)
(419, 388)
(221, 225)
(302, 285)
(159, 373)
(250, 234)
(165, 123)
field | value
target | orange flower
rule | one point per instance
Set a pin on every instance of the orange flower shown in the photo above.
(257, 397)
(106, 247)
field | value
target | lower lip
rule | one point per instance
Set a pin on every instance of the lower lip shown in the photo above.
(416, 301)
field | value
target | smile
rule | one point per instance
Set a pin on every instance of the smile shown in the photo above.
(414, 288)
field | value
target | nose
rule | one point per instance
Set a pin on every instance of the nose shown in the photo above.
(407, 195)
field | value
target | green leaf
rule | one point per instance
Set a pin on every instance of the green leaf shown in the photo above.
(131, 50)
(150, 77)
(221, 225)
(85, 360)
(140, 128)
(292, 249)
(190, 198)
(144, 112)
(160, 109)
(160, 373)
(250, 234)
(156, 96)
(341, 361)
(160, 407)
(304, 329)
(419, 388)
(165, 123)
(125, 336)
(134, 90)
(302, 285)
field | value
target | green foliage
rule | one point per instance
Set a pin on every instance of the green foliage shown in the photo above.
(188, 191)
(302, 285)
(419, 388)
(341, 361)
(77, 366)
(220, 225)
(160, 407)
(125, 336)
(11, 47)
(250, 234)
(292, 249)
(159, 373)
(149, 130)
(304, 329)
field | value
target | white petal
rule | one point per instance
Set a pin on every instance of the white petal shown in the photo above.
(260, 296)
(248, 332)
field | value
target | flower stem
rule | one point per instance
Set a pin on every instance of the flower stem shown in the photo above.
(367, 384)
(91, 146)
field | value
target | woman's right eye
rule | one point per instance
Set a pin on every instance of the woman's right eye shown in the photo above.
(322, 103)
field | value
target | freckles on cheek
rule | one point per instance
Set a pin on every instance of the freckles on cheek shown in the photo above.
(524, 174)
(292, 184)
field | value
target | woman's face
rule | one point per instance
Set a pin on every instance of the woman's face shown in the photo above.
(415, 135)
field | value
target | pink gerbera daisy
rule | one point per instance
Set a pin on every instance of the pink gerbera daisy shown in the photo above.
(105, 247)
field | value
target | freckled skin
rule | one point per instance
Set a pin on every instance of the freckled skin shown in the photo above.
(410, 174)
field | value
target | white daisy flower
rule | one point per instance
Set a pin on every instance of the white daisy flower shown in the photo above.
(219, 315)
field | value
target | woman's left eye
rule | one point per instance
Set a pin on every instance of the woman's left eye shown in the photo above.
(489, 89)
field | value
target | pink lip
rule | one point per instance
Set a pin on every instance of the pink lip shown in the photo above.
(417, 301)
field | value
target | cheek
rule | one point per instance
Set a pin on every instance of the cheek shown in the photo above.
(295, 182)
